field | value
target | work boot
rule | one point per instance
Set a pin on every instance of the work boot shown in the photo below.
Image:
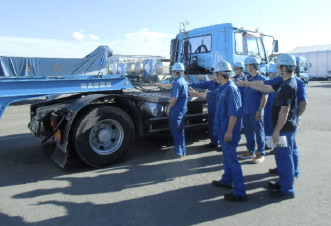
(274, 185)
(258, 158)
(219, 184)
(273, 171)
(219, 149)
(210, 145)
(280, 195)
(246, 155)
(234, 198)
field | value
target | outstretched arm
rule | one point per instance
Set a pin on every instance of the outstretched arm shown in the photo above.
(195, 93)
(257, 85)
(163, 85)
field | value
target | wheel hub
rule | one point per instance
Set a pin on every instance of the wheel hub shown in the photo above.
(106, 136)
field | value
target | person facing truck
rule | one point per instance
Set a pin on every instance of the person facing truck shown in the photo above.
(302, 101)
(284, 120)
(210, 85)
(268, 129)
(177, 109)
(228, 128)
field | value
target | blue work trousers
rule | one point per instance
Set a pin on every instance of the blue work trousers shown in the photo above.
(268, 128)
(212, 136)
(178, 133)
(254, 133)
(232, 168)
(296, 156)
(285, 164)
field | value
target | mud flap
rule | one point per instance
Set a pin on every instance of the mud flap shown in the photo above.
(60, 157)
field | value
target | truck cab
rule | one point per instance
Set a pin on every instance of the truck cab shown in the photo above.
(199, 49)
(302, 69)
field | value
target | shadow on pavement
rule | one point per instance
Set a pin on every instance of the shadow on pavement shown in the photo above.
(149, 164)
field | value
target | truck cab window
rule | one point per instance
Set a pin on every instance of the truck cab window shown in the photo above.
(255, 47)
(238, 39)
(200, 44)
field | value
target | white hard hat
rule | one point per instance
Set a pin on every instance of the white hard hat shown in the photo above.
(286, 60)
(178, 67)
(223, 66)
(239, 64)
(272, 68)
(252, 60)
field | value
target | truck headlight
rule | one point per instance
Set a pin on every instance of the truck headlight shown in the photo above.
(152, 109)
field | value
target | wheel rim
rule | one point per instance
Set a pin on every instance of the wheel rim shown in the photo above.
(106, 137)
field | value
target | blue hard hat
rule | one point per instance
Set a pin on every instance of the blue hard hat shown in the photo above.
(286, 60)
(223, 66)
(178, 67)
(272, 68)
(252, 60)
(239, 64)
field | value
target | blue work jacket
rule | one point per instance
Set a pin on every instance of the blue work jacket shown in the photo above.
(180, 91)
(228, 104)
(252, 96)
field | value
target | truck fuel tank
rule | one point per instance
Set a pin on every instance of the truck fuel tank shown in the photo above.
(162, 67)
(149, 67)
(152, 109)
(130, 68)
(138, 68)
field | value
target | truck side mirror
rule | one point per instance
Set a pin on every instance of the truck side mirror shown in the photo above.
(310, 65)
(275, 46)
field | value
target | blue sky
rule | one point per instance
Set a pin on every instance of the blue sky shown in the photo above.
(74, 28)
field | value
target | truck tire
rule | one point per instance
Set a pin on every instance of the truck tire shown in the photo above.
(102, 135)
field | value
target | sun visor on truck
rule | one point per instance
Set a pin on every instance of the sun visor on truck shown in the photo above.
(93, 63)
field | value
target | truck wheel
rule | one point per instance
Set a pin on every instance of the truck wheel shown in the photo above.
(103, 135)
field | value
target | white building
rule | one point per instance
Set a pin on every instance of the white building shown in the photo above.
(319, 57)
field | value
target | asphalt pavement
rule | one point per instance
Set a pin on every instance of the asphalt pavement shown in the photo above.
(151, 187)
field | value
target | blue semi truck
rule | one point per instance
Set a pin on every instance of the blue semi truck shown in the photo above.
(99, 116)
(302, 69)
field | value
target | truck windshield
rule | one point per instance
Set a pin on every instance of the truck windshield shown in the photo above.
(255, 47)
(200, 44)
(303, 67)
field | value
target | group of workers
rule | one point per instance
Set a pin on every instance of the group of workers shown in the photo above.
(241, 103)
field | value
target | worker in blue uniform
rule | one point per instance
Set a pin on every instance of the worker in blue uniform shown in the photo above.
(177, 108)
(227, 127)
(284, 120)
(253, 108)
(268, 129)
(210, 85)
(240, 75)
(302, 101)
